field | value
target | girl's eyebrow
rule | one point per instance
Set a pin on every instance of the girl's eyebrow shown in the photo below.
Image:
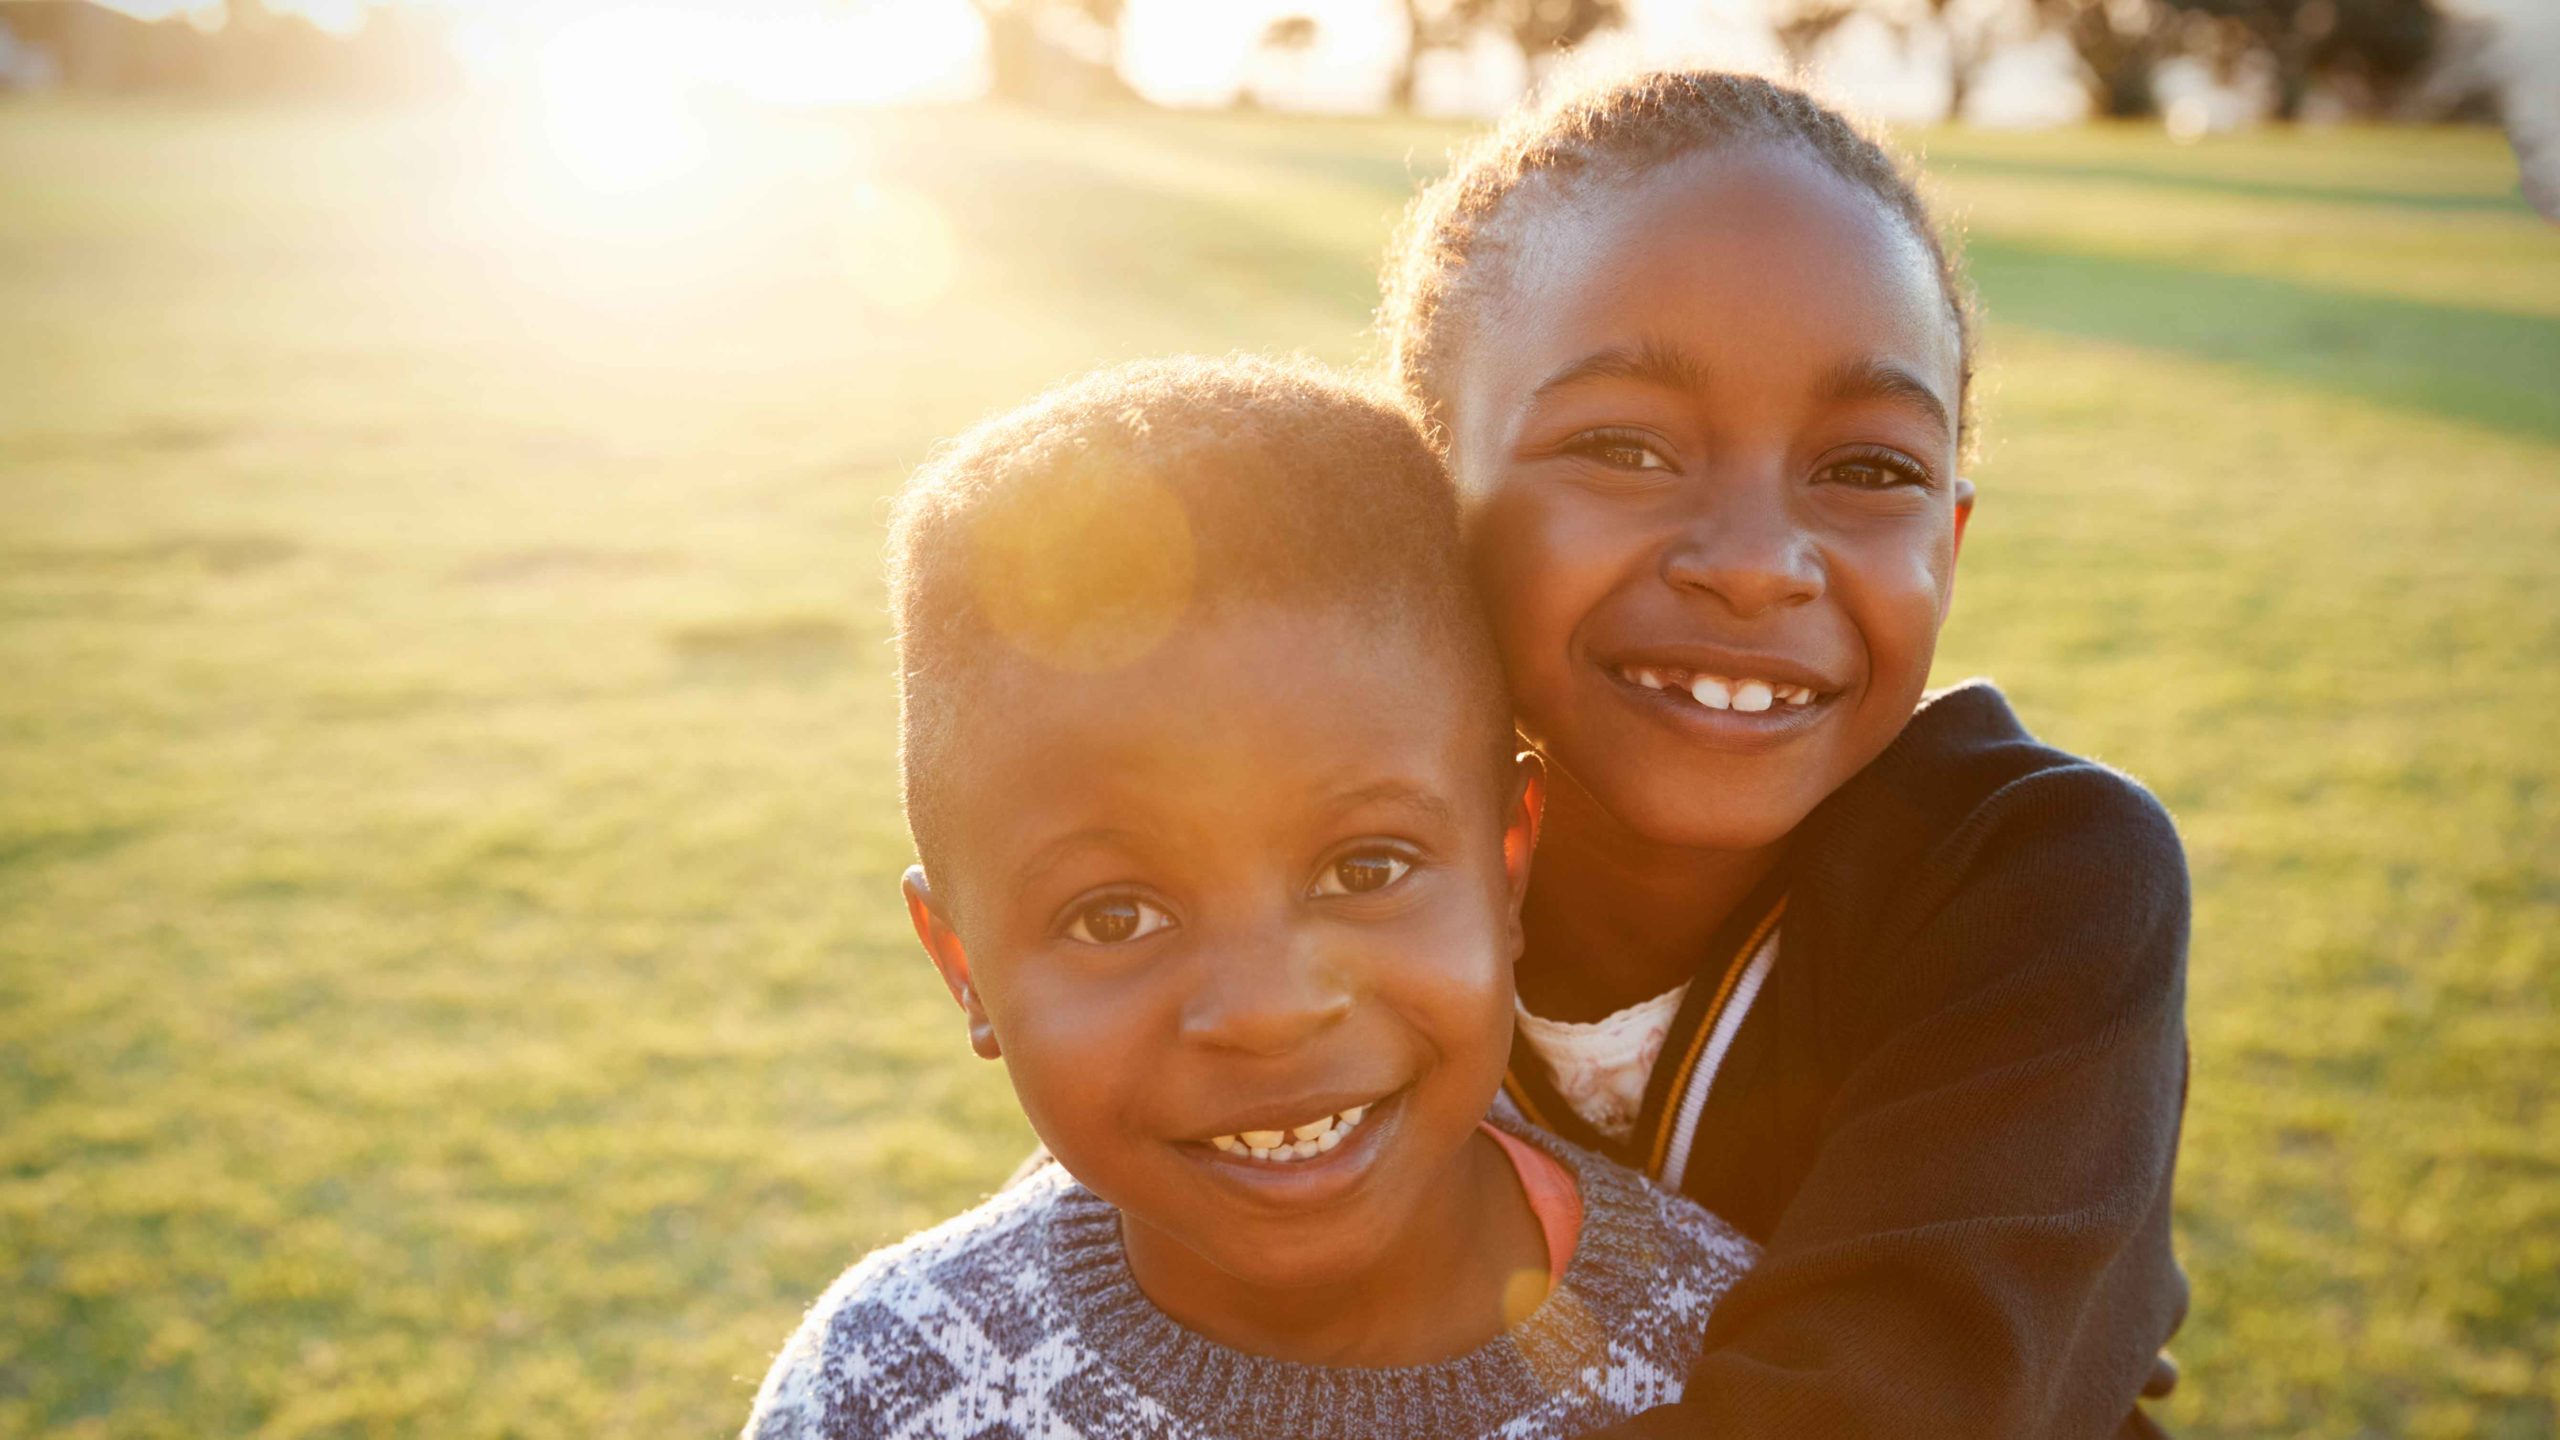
(1651, 361)
(1875, 379)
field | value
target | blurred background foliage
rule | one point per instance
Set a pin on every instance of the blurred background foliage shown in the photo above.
(2403, 58)
(451, 981)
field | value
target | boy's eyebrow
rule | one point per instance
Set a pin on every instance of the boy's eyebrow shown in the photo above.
(1651, 361)
(1873, 379)
(1088, 838)
(1400, 793)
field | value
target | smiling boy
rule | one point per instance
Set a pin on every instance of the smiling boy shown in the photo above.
(1210, 768)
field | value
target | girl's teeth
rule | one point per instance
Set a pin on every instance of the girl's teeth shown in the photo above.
(1717, 692)
(1315, 1131)
(1263, 1139)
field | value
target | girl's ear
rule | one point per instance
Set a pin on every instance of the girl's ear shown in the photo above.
(1520, 828)
(1964, 509)
(942, 945)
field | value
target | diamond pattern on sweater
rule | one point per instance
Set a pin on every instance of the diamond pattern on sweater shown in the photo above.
(989, 1328)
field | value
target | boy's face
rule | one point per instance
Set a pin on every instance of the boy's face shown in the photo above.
(1265, 878)
(1707, 437)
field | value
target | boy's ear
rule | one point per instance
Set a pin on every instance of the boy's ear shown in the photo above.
(942, 944)
(1964, 509)
(1520, 825)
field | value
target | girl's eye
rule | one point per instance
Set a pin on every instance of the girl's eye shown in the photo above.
(1362, 872)
(1116, 920)
(1619, 449)
(1881, 470)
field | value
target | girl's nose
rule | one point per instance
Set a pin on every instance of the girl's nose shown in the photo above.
(1744, 548)
(1264, 999)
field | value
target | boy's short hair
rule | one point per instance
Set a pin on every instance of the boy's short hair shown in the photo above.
(1079, 530)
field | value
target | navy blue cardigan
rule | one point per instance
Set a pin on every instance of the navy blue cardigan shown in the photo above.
(1946, 1101)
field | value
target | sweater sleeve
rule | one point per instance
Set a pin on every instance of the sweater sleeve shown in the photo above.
(1981, 1244)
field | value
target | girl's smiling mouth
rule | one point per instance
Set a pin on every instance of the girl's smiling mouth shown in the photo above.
(1746, 693)
(1725, 697)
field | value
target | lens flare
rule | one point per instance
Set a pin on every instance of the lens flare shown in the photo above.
(1089, 576)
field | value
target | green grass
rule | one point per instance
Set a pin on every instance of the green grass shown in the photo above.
(450, 980)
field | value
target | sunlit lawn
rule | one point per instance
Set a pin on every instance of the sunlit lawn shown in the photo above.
(450, 980)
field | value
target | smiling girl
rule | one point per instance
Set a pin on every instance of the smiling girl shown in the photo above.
(1875, 975)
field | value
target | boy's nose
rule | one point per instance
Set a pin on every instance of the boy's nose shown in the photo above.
(1264, 999)
(1744, 547)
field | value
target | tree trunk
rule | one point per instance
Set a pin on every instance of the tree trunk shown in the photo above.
(1400, 95)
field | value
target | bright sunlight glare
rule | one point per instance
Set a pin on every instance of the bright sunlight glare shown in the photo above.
(622, 88)
(618, 91)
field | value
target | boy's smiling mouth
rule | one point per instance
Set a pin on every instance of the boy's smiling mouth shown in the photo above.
(1291, 1143)
(1310, 1160)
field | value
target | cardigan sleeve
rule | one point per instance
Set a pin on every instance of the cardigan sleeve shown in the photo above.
(1981, 1245)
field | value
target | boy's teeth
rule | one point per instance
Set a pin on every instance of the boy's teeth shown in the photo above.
(1795, 694)
(1298, 1142)
(1752, 696)
(1710, 691)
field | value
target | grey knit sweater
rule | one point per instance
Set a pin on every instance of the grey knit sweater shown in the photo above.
(1020, 1319)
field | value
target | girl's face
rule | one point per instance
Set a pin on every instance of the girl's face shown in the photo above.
(1706, 437)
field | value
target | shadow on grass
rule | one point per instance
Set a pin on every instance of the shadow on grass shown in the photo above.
(1960, 165)
(2482, 366)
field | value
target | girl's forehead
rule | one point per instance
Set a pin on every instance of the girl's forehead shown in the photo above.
(1757, 248)
(1753, 203)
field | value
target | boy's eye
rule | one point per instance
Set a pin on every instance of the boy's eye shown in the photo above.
(1619, 449)
(1362, 872)
(1878, 471)
(1116, 920)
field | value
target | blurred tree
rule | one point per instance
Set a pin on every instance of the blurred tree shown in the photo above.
(1541, 28)
(1290, 33)
(1802, 25)
(1052, 51)
(1972, 32)
(2367, 52)
(387, 53)
(1968, 31)
(1281, 56)
(2119, 44)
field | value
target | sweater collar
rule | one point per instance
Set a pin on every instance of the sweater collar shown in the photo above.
(1228, 1392)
